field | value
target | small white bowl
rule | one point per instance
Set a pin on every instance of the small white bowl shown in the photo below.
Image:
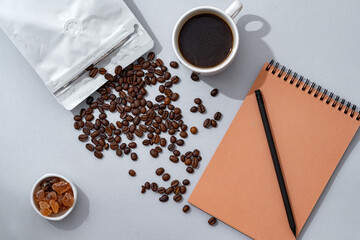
(56, 218)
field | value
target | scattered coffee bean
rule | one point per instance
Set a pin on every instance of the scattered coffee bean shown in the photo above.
(202, 108)
(147, 185)
(182, 189)
(102, 71)
(169, 190)
(175, 183)
(186, 208)
(164, 198)
(134, 156)
(90, 147)
(174, 159)
(89, 100)
(174, 64)
(159, 171)
(151, 56)
(166, 177)
(98, 154)
(177, 197)
(193, 130)
(186, 182)
(194, 77)
(217, 116)
(161, 190)
(207, 123)
(143, 189)
(154, 153)
(189, 169)
(132, 145)
(197, 101)
(213, 123)
(212, 221)
(132, 173)
(214, 92)
(93, 72)
(154, 186)
(83, 137)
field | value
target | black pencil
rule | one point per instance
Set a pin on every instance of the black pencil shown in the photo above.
(275, 159)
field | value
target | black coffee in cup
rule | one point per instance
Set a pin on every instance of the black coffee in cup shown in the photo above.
(205, 40)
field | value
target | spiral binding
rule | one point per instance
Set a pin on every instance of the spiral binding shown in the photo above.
(319, 91)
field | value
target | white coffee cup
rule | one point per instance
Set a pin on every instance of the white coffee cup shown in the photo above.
(227, 15)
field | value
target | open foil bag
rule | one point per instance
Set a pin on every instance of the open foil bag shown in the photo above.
(60, 39)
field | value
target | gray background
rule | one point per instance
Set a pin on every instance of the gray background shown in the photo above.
(319, 39)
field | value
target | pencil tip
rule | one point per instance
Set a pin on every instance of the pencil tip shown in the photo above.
(294, 231)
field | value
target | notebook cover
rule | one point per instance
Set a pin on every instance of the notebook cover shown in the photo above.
(239, 185)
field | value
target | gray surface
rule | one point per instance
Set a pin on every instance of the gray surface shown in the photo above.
(317, 38)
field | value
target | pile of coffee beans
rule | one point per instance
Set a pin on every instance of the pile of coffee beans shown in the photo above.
(125, 94)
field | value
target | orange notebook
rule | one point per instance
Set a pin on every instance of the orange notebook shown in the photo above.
(311, 130)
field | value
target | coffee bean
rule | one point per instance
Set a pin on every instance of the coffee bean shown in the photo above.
(212, 221)
(114, 146)
(175, 183)
(217, 116)
(189, 169)
(177, 197)
(164, 198)
(89, 67)
(90, 147)
(182, 189)
(119, 152)
(186, 182)
(154, 153)
(132, 145)
(166, 177)
(102, 71)
(83, 137)
(154, 186)
(186, 208)
(143, 189)
(93, 72)
(214, 92)
(171, 147)
(98, 154)
(161, 190)
(134, 156)
(197, 101)
(175, 79)
(127, 150)
(151, 56)
(174, 64)
(159, 62)
(174, 159)
(193, 130)
(188, 161)
(167, 100)
(109, 77)
(89, 100)
(159, 171)
(77, 125)
(207, 123)
(194, 77)
(147, 185)
(183, 134)
(196, 153)
(202, 108)
(118, 70)
(158, 149)
(169, 190)
(180, 142)
(213, 123)
(132, 173)
(176, 190)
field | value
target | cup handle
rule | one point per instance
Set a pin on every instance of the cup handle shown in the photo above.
(234, 9)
